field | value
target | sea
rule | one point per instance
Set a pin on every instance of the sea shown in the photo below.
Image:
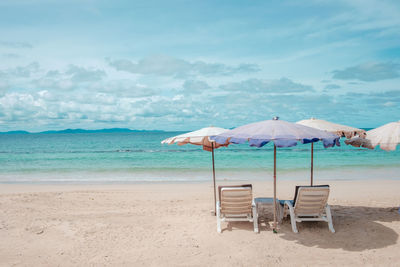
(134, 157)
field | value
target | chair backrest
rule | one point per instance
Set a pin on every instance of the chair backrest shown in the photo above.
(236, 199)
(310, 200)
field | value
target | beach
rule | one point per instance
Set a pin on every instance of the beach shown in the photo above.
(118, 118)
(171, 224)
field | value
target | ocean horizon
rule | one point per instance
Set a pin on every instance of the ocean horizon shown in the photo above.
(139, 156)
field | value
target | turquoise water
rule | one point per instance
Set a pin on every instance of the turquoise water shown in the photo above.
(141, 157)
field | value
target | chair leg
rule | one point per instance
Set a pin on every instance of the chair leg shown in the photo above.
(285, 211)
(292, 217)
(255, 219)
(293, 222)
(329, 217)
(218, 218)
(281, 212)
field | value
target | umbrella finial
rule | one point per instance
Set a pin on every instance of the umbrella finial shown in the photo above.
(312, 118)
(275, 118)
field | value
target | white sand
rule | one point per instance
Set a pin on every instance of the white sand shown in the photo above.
(171, 225)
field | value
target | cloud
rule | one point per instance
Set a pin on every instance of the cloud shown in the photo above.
(170, 66)
(4, 85)
(19, 107)
(195, 87)
(96, 106)
(78, 96)
(331, 86)
(283, 85)
(20, 71)
(390, 104)
(125, 88)
(387, 94)
(369, 72)
(11, 55)
(45, 108)
(9, 44)
(80, 74)
(74, 77)
(376, 102)
(392, 97)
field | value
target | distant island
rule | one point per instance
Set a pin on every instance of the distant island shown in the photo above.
(109, 130)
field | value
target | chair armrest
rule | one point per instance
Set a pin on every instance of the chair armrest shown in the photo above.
(327, 206)
(289, 203)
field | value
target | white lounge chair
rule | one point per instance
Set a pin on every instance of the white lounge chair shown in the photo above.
(310, 204)
(236, 204)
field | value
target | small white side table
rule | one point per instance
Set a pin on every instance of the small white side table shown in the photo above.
(265, 209)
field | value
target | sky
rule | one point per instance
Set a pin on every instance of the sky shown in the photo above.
(184, 65)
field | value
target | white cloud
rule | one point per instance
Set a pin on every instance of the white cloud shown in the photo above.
(390, 104)
(124, 87)
(180, 111)
(20, 71)
(369, 72)
(195, 87)
(283, 85)
(80, 74)
(170, 66)
(331, 86)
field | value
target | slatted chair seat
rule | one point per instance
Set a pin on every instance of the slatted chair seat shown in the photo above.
(310, 204)
(236, 204)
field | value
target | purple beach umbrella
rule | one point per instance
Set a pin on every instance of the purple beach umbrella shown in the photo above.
(281, 133)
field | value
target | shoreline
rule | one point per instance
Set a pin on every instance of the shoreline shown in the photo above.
(194, 176)
(260, 188)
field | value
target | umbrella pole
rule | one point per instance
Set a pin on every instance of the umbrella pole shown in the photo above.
(312, 163)
(275, 222)
(215, 197)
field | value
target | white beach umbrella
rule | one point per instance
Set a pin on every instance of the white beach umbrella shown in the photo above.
(335, 128)
(386, 136)
(200, 138)
(338, 129)
(281, 133)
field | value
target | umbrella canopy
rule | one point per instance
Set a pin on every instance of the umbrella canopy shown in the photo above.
(199, 137)
(359, 142)
(338, 129)
(386, 136)
(281, 133)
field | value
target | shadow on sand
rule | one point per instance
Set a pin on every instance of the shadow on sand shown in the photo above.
(357, 228)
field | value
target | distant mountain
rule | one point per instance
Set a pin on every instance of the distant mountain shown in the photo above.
(110, 130)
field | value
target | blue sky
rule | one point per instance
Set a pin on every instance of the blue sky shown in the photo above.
(183, 65)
